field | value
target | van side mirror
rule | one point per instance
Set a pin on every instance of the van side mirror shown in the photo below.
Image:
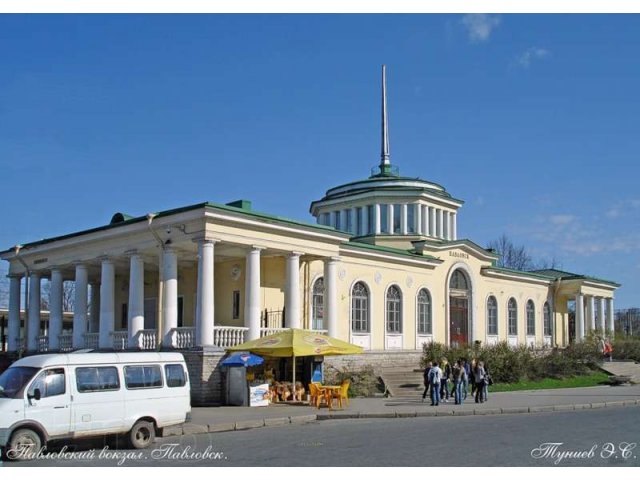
(37, 395)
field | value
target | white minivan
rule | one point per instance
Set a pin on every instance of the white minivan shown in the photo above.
(74, 395)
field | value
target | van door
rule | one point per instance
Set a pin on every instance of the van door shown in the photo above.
(53, 410)
(98, 401)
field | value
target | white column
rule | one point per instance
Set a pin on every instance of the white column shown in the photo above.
(579, 317)
(365, 220)
(377, 218)
(390, 215)
(432, 222)
(135, 319)
(13, 329)
(252, 294)
(610, 324)
(404, 228)
(107, 304)
(454, 226)
(170, 295)
(33, 327)
(591, 311)
(425, 220)
(94, 308)
(331, 294)
(205, 294)
(418, 218)
(446, 224)
(601, 321)
(292, 291)
(55, 309)
(80, 306)
(354, 220)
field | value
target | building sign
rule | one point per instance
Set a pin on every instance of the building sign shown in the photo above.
(458, 254)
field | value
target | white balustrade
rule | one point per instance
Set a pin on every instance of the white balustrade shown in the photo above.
(66, 342)
(270, 331)
(43, 343)
(91, 340)
(183, 337)
(145, 339)
(228, 336)
(120, 339)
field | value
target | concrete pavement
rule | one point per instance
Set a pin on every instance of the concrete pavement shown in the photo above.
(220, 419)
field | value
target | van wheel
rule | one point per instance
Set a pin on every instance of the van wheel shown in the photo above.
(24, 444)
(142, 434)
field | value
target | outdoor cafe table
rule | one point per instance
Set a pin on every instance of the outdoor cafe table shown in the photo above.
(327, 391)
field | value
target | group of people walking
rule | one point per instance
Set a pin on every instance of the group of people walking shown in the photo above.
(442, 381)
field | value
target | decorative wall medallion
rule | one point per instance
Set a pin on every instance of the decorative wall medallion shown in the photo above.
(409, 282)
(235, 272)
(342, 273)
(378, 277)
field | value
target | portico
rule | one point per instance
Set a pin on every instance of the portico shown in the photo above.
(164, 287)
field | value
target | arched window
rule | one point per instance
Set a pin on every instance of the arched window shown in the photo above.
(531, 318)
(547, 319)
(458, 281)
(424, 312)
(317, 308)
(492, 316)
(360, 308)
(513, 316)
(394, 310)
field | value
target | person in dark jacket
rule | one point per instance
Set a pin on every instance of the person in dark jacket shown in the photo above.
(479, 377)
(446, 377)
(425, 377)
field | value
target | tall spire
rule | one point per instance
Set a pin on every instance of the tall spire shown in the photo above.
(384, 153)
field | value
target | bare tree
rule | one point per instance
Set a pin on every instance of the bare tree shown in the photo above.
(68, 296)
(517, 257)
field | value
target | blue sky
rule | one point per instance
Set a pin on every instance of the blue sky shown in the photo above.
(533, 120)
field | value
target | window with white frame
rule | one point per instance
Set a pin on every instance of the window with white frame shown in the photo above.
(394, 310)
(411, 218)
(492, 316)
(360, 308)
(384, 218)
(359, 225)
(425, 325)
(317, 312)
(371, 219)
(397, 214)
(349, 221)
(531, 318)
(547, 319)
(512, 309)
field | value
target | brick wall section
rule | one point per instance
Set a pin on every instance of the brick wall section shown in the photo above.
(379, 360)
(206, 377)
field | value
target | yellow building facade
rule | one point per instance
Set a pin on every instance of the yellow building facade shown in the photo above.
(381, 267)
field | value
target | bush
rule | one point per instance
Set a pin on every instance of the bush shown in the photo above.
(513, 364)
(364, 381)
(626, 348)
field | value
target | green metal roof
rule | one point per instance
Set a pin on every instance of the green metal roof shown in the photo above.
(396, 251)
(517, 272)
(124, 220)
(562, 275)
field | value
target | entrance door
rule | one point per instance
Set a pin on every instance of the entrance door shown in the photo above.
(458, 320)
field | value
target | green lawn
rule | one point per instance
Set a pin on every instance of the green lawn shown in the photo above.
(590, 380)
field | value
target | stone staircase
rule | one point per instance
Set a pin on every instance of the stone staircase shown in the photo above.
(403, 383)
(623, 368)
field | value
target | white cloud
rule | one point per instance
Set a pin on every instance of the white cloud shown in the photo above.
(613, 213)
(533, 53)
(479, 26)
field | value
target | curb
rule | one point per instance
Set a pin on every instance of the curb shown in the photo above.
(190, 428)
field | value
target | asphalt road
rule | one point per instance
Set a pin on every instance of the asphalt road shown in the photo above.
(603, 437)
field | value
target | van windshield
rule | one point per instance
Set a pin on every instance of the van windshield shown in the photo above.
(14, 379)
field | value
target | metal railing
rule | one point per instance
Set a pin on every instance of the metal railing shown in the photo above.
(65, 341)
(43, 343)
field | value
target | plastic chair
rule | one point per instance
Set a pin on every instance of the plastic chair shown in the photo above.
(343, 393)
(316, 394)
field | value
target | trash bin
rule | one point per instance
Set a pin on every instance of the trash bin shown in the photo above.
(237, 388)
